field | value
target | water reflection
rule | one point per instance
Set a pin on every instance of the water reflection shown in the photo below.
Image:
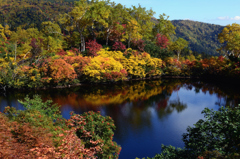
(146, 113)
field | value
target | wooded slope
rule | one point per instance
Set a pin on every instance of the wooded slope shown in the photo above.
(202, 37)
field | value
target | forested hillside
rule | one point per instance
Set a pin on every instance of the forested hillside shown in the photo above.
(26, 13)
(202, 37)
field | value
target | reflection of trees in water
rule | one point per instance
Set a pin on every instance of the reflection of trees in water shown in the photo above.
(139, 113)
(144, 95)
(134, 103)
(176, 105)
(227, 93)
(167, 107)
(10, 98)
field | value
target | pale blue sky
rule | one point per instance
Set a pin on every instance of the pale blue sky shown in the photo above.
(221, 12)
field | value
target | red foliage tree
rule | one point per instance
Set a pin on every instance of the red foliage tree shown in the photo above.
(93, 47)
(118, 46)
(21, 140)
(139, 45)
(162, 41)
(61, 52)
(117, 33)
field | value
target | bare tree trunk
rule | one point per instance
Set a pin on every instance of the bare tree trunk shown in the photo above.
(108, 33)
(82, 39)
(82, 43)
(129, 40)
(91, 31)
(15, 51)
(178, 54)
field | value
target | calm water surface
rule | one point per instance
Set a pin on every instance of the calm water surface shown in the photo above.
(146, 113)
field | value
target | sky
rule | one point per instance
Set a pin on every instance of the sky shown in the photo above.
(220, 12)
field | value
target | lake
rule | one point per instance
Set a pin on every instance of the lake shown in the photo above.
(146, 113)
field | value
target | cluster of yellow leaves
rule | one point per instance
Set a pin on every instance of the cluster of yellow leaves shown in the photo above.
(102, 65)
(142, 65)
(10, 72)
(4, 31)
(3, 63)
(117, 55)
(70, 53)
(139, 65)
(230, 37)
(32, 73)
(133, 30)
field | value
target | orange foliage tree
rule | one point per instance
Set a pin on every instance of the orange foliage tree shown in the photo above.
(59, 70)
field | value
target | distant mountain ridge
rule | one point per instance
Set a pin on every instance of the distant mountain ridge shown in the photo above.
(202, 37)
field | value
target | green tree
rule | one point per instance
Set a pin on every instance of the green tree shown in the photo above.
(164, 26)
(53, 38)
(4, 32)
(83, 19)
(76, 20)
(118, 14)
(178, 46)
(98, 14)
(143, 18)
(21, 44)
(132, 31)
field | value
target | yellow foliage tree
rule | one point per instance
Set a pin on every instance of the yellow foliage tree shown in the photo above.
(230, 37)
(103, 69)
(4, 32)
(132, 31)
(139, 65)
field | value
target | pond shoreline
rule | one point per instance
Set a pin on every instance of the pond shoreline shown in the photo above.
(97, 83)
(209, 78)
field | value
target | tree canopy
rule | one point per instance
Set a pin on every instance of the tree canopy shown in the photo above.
(230, 38)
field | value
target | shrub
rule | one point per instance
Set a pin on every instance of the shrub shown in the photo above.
(93, 47)
(219, 131)
(78, 63)
(103, 69)
(32, 76)
(47, 108)
(96, 131)
(19, 140)
(37, 132)
(156, 51)
(118, 46)
(59, 70)
(138, 45)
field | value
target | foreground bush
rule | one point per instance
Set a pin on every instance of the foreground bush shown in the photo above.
(41, 132)
(96, 132)
(217, 136)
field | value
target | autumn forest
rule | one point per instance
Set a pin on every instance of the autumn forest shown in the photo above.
(45, 44)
